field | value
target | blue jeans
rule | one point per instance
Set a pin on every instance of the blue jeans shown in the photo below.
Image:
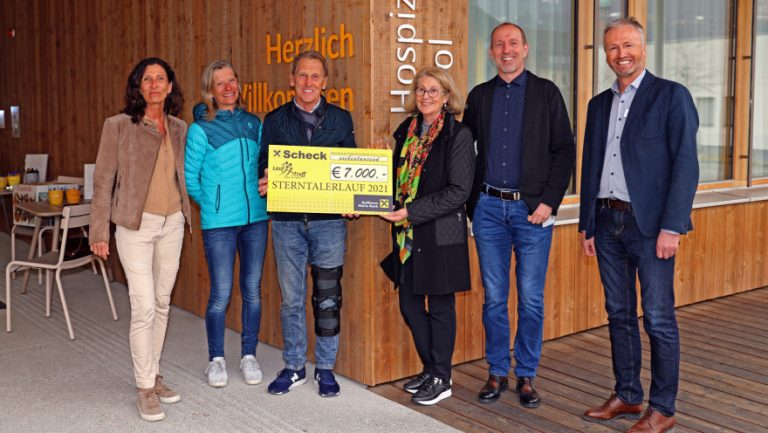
(297, 244)
(501, 226)
(623, 254)
(250, 242)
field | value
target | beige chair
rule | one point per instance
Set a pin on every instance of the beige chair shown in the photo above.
(19, 230)
(40, 243)
(55, 262)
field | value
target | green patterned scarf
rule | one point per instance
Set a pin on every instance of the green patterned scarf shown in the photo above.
(412, 157)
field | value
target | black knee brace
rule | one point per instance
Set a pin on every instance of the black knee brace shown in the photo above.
(326, 300)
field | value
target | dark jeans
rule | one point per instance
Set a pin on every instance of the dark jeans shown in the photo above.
(623, 254)
(434, 331)
(501, 227)
(250, 241)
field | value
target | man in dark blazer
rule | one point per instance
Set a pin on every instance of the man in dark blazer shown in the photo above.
(525, 157)
(639, 177)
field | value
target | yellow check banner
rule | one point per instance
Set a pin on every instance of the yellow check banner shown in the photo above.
(338, 180)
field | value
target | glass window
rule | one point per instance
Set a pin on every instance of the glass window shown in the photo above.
(548, 25)
(690, 41)
(705, 105)
(605, 12)
(760, 108)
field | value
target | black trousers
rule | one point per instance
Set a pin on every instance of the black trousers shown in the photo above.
(433, 327)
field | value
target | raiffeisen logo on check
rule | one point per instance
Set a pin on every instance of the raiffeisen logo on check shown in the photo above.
(335, 180)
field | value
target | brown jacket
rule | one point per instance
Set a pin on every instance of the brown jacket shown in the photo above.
(127, 155)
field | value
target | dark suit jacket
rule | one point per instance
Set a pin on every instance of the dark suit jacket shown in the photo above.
(549, 152)
(440, 253)
(658, 152)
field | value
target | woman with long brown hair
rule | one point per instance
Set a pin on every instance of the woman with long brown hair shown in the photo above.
(138, 184)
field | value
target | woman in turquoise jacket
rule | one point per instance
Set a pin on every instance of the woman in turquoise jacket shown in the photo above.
(220, 168)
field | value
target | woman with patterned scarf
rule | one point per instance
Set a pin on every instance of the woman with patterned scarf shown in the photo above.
(434, 165)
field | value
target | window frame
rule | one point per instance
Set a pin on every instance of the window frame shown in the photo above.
(741, 79)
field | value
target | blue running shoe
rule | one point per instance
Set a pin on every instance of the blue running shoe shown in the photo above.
(286, 380)
(326, 382)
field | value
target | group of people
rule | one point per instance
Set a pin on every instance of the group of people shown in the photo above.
(149, 165)
(505, 167)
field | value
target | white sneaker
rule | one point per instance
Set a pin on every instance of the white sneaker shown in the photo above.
(217, 372)
(251, 370)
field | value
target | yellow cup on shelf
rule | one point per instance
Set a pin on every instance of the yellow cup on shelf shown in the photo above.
(73, 196)
(56, 197)
(3, 182)
(14, 179)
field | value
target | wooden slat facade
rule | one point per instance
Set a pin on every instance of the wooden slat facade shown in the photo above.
(723, 386)
(67, 66)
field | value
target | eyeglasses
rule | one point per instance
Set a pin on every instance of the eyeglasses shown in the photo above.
(433, 92)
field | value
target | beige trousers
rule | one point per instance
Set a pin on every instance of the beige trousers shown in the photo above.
(150, 258)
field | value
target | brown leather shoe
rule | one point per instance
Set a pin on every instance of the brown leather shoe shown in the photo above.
(493, 388)
(653, 422)
(613, 408)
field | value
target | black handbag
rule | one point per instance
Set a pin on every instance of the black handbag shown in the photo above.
(76, 248)
(389, 266)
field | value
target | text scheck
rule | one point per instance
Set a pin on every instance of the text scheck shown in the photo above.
(287, 154)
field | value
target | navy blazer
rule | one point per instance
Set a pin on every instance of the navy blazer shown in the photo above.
(658, 151)
(549, 151)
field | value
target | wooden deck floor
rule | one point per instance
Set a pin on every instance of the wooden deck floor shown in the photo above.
(723, 377)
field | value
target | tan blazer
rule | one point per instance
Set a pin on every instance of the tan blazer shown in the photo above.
(127, 155)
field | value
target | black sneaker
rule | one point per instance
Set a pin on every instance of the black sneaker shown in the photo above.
(432, 391)
(415, 383)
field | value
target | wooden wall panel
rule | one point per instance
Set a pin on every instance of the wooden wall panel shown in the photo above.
(585, 54)
(67, 69)
(395, 355)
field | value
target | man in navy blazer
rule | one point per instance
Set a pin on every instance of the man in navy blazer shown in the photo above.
(525, 157)
(639, 177)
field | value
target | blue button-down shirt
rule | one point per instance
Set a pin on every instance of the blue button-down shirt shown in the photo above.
(505, 147)
(613, 184)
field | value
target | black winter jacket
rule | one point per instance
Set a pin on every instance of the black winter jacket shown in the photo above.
(440, 253)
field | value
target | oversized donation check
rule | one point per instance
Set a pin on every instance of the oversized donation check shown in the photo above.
(339, 180)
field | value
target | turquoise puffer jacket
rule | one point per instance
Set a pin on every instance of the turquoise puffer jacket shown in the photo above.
(220, 168)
